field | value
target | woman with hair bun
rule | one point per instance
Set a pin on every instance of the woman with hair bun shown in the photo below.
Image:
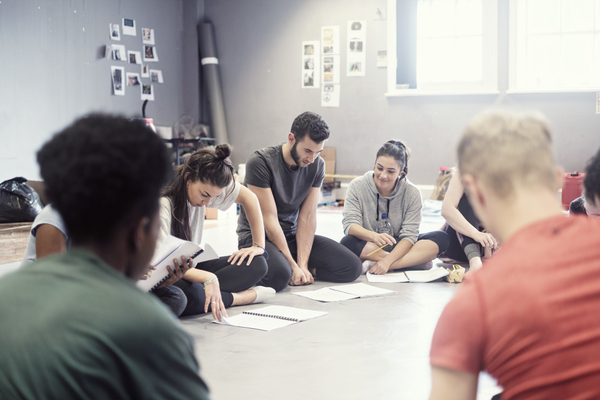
(383, 208)
(206, 180)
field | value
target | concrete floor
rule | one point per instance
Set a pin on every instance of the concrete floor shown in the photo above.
(373, 348)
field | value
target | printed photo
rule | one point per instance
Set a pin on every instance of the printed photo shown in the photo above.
(156, 76)
(328, 60)
(147, 36)
(150, 54)
(356, 46)
(309, 79)
(129, 27)
(327, 36)
(328, 88)
(309, 50)
(117, 75)
(134, 57)
(356, 26)
(309, 63)
(327, 77)
(328, 49)
(115, 33)
(118, 52)
(145, 73)
(133, 79)
(327, 67)
(147, 92)
(355, 67)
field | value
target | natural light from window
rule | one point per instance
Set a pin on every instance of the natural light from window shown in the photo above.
(555, 45)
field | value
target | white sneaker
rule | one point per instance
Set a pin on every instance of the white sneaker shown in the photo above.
(366, 265)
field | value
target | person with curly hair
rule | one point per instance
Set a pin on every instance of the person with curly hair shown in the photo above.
(74, 324)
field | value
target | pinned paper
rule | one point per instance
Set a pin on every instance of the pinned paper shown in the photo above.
(147, 36)
(129, 27)
(118, 52)
(118, 74)
(115, 33)
(311, 60)
(156, 76)
(148, 92)
(330, 95)
(356, 60)
(150, 54)
(134, 57)
(133, 79)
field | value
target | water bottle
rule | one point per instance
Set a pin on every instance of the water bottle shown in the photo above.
(384, 225)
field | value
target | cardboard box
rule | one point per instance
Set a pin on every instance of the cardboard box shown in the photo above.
(328, 155)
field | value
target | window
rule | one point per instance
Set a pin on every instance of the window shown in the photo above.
(554, 45)
(442, 46)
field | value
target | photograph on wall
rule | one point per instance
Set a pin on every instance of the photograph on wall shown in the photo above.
(118, 52)
(150, 54)
(355, 61)
(129, 27)
(331, 69)
(134, 57)
(133, 79)
(156, 76)
(330, 95)
(147, 36)
(311, 59)
(117, 75)
(115, 31)
(330, 39)
(147, 92)
(145, 73)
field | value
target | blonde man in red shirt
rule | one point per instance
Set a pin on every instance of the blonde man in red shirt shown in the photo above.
(530, 318)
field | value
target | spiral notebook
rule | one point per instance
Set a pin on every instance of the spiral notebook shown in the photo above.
(270, 317)
(344, 292)
(171, 248)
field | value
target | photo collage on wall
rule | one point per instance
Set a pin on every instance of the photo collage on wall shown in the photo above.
(139, 59)
(325, 71)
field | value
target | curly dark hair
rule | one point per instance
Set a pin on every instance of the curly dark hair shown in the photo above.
(312, 124)
(103, 171)
(591, 182)
(207, 166)
(398, 151)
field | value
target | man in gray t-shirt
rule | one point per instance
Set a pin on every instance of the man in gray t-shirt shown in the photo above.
(286, 179)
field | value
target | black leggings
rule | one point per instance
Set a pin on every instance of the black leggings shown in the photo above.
(457, 249)
(333, 263)
(357, 245)
(232, 279)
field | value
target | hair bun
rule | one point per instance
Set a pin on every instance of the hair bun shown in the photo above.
(222, 151)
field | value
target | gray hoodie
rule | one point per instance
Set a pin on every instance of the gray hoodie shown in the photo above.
(360, 207)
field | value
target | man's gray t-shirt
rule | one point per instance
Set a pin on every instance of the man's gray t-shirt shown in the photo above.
(266, 168)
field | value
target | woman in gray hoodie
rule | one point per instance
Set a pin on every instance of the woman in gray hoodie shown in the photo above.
(382, 211)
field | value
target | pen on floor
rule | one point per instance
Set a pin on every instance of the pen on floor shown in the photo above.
(376, 250)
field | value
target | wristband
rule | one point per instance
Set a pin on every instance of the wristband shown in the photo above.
(208, 282)
(265, 250)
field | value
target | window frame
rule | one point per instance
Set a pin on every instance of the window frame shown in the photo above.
(489, 83)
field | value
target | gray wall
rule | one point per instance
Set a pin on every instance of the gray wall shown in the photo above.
(52, 70)
(259, 44)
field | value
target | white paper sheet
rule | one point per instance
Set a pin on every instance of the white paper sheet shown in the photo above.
(134, 57)
(114, 31)
(357, 42)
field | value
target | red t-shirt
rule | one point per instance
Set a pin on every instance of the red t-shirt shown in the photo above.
(531, 316)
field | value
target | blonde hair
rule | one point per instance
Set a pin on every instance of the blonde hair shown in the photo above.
(504, 150)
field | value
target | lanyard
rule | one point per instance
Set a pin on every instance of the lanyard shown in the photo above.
(388, 207)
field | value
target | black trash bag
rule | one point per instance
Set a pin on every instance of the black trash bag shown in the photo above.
(18, 201)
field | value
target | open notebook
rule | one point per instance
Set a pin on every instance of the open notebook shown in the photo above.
(171, 248)
(271, 317)
(344, 292)
(409, 276)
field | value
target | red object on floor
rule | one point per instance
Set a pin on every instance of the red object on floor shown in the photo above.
(571, 188)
